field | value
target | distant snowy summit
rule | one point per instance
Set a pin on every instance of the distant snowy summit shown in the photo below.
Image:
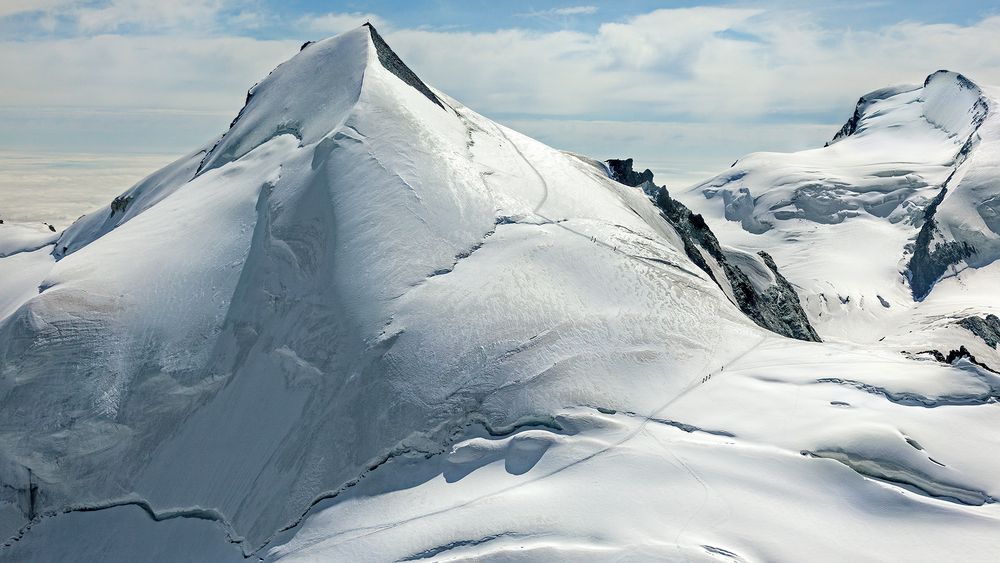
(902, 207)
(367, 323)
(899, 141)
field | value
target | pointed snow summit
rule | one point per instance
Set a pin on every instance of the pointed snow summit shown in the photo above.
(308, 97)
(359, 269)
(312, 94)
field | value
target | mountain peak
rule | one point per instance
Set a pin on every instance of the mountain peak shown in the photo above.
(953, 103)
(952, 77)
(391, 61)
(311, 94)
(307, 96)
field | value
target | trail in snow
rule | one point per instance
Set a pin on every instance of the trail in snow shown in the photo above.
(371, 530)
(534, 170)
(558, 223)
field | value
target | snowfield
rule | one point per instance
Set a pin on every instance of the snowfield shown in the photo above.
(369, 324)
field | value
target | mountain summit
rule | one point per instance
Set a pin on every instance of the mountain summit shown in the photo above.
(368, 323)
(890, 226)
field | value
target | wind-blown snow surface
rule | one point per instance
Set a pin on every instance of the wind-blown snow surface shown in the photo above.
(365, 325)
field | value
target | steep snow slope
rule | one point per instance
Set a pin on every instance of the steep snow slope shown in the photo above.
(24, 260)
(872, 227)
(369, 324)
(134, 201)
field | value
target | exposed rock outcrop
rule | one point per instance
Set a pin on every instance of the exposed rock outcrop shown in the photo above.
(782, 307)
(395, 65)
(621, 172)
(986, 328)
(774, 305)
(955, 355)
(935, 251)
(931, 255)
(120, 203)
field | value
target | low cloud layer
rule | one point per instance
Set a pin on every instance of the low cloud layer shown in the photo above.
(37, 188)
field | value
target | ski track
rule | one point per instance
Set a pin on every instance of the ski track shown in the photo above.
(372, 530)
(550, 221)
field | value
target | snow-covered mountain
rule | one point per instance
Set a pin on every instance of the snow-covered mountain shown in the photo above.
(890, 232)
(367, 323)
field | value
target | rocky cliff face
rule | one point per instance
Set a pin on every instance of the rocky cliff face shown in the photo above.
(937, 246)
(621, 171)
(931, 254)
(987, 328)
(764, 295)
(388, 58)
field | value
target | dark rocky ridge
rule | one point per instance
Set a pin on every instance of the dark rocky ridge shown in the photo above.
(621, 172)
(928, 262)
(955, 355)
(782, 302)
(931, 259)
(986, 328)
(391, 61)
(777, 308)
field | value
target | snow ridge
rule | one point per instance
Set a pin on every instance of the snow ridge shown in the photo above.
(391, 61)
(934, 252)
(851, 126)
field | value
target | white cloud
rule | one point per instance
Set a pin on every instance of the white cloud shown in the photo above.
(679, 153)
(159, 16)
(711, 64)
(575, 10)
(58, 188)
(666, 38)
(249, 20)
(567, 11)
(694, 87)
(334, 23)
(153, 72)
(150, 14)
(12, 7)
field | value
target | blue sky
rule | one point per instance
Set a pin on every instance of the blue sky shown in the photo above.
(685, 87)
(490, 15)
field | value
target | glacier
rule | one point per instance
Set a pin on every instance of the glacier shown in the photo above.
(368, 323)
(888, 231)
